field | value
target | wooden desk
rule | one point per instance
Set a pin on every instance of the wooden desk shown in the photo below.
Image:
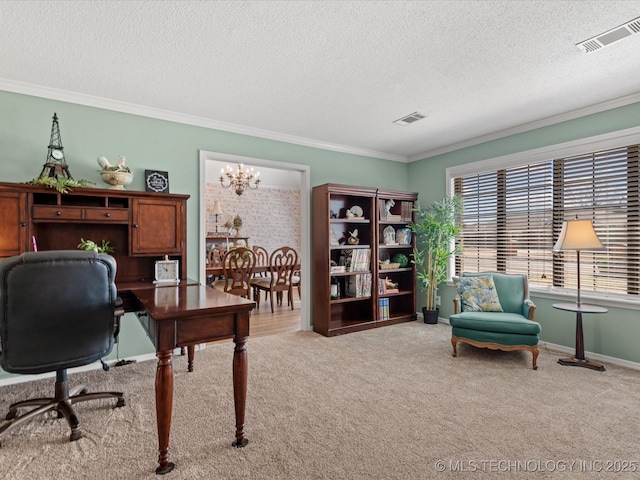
(182, 316)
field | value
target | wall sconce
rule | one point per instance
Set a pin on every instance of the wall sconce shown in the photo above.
(239, 180)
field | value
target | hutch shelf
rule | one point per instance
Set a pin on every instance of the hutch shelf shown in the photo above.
(142, 226)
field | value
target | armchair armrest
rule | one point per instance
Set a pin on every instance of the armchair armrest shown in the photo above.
(456, 304)
(529, 309)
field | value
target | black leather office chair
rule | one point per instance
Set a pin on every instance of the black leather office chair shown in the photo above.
(58, 310)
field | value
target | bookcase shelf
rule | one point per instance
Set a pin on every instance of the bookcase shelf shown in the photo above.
(359, 304)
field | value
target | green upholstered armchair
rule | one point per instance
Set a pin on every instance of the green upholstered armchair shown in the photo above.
(513, 328)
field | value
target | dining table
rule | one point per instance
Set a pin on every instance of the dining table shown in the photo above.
(219, 271)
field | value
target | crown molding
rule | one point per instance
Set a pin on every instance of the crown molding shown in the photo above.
(545, 122)
(151, 112)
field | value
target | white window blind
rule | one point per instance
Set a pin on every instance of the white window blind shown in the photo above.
(512, 218)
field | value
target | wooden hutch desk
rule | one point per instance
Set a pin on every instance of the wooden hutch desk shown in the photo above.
(143, 227)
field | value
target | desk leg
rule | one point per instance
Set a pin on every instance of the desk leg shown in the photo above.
(164, 406)
(191, 349)
(240, 368)
(578, 360)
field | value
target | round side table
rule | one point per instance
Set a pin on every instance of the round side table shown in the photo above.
(579, 360)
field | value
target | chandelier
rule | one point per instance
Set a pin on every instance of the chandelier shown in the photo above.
(239, 180)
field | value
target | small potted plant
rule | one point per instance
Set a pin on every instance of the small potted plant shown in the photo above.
(237, 224)
(435, 228)
(103, 247)
(117, 175)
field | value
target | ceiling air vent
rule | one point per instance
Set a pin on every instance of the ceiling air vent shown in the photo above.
(414, 117)
(607, 38)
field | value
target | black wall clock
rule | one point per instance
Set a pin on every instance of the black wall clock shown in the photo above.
(156, 181)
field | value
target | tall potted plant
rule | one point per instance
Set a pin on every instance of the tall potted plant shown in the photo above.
(435, 228)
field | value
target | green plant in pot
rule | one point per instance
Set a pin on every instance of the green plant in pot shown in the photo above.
(103, 247)
(435, 228)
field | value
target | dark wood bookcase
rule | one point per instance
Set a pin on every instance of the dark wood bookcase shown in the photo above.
(339, 210)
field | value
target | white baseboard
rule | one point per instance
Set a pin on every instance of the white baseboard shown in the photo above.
(561, 348)
(592, 356)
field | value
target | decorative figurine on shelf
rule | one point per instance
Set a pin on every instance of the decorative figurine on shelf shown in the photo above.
(353, 238)
(56, 165)
(55, 172)
(333, 238)
(388, 205)
(389, 235)
(117, 175)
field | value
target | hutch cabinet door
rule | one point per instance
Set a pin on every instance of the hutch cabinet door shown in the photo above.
(14, 228)
(157, 226)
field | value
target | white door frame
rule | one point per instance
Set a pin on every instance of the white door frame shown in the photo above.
(305, 219)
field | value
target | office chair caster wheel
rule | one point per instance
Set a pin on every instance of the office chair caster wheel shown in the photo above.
(11, 415)
(75, 435)
(121, 402)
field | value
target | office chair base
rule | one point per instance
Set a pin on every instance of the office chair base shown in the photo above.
(62, 404)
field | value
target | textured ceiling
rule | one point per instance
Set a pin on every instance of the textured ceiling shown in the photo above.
(325, 72)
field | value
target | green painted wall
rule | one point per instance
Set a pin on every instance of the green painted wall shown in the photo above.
(87, 132)
(614, 334)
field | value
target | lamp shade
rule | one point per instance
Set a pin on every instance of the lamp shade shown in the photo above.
(578, 235)
(217, 209)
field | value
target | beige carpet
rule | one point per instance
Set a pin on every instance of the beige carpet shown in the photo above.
(391, 403)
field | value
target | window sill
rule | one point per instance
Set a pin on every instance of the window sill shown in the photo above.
(627, 302)
(600, 299)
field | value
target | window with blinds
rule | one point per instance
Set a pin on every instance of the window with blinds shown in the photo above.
(512, 219)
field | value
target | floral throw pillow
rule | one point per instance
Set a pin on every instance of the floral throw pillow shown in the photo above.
(478, 294)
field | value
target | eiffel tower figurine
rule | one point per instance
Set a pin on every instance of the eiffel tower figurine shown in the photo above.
(56, 166)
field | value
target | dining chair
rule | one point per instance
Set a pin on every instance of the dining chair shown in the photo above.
(295, 283)
(237, 265)
(262, 259)
(215, 256)
(282, 262)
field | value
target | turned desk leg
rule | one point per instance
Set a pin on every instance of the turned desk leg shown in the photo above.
(164, 406)
(240, 368)
(191, 349)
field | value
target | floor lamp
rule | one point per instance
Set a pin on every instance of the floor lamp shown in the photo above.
(578, 235)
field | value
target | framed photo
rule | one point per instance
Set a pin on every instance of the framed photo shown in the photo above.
(156, 181)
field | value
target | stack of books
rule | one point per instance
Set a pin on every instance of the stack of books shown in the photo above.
(407, 211)
(360, 286)
(383, 309)
(356, 260)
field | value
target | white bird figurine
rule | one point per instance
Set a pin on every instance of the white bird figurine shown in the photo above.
(103, 162)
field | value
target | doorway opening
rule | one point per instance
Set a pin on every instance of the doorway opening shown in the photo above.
(280, 183)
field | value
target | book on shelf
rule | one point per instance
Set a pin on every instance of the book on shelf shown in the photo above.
(381, 210)
(393, 217)
(359, 260)
(383, 309)
(406, 211)
(359, 286)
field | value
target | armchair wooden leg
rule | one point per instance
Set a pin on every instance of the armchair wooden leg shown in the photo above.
(454, 343)
(535, 352)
